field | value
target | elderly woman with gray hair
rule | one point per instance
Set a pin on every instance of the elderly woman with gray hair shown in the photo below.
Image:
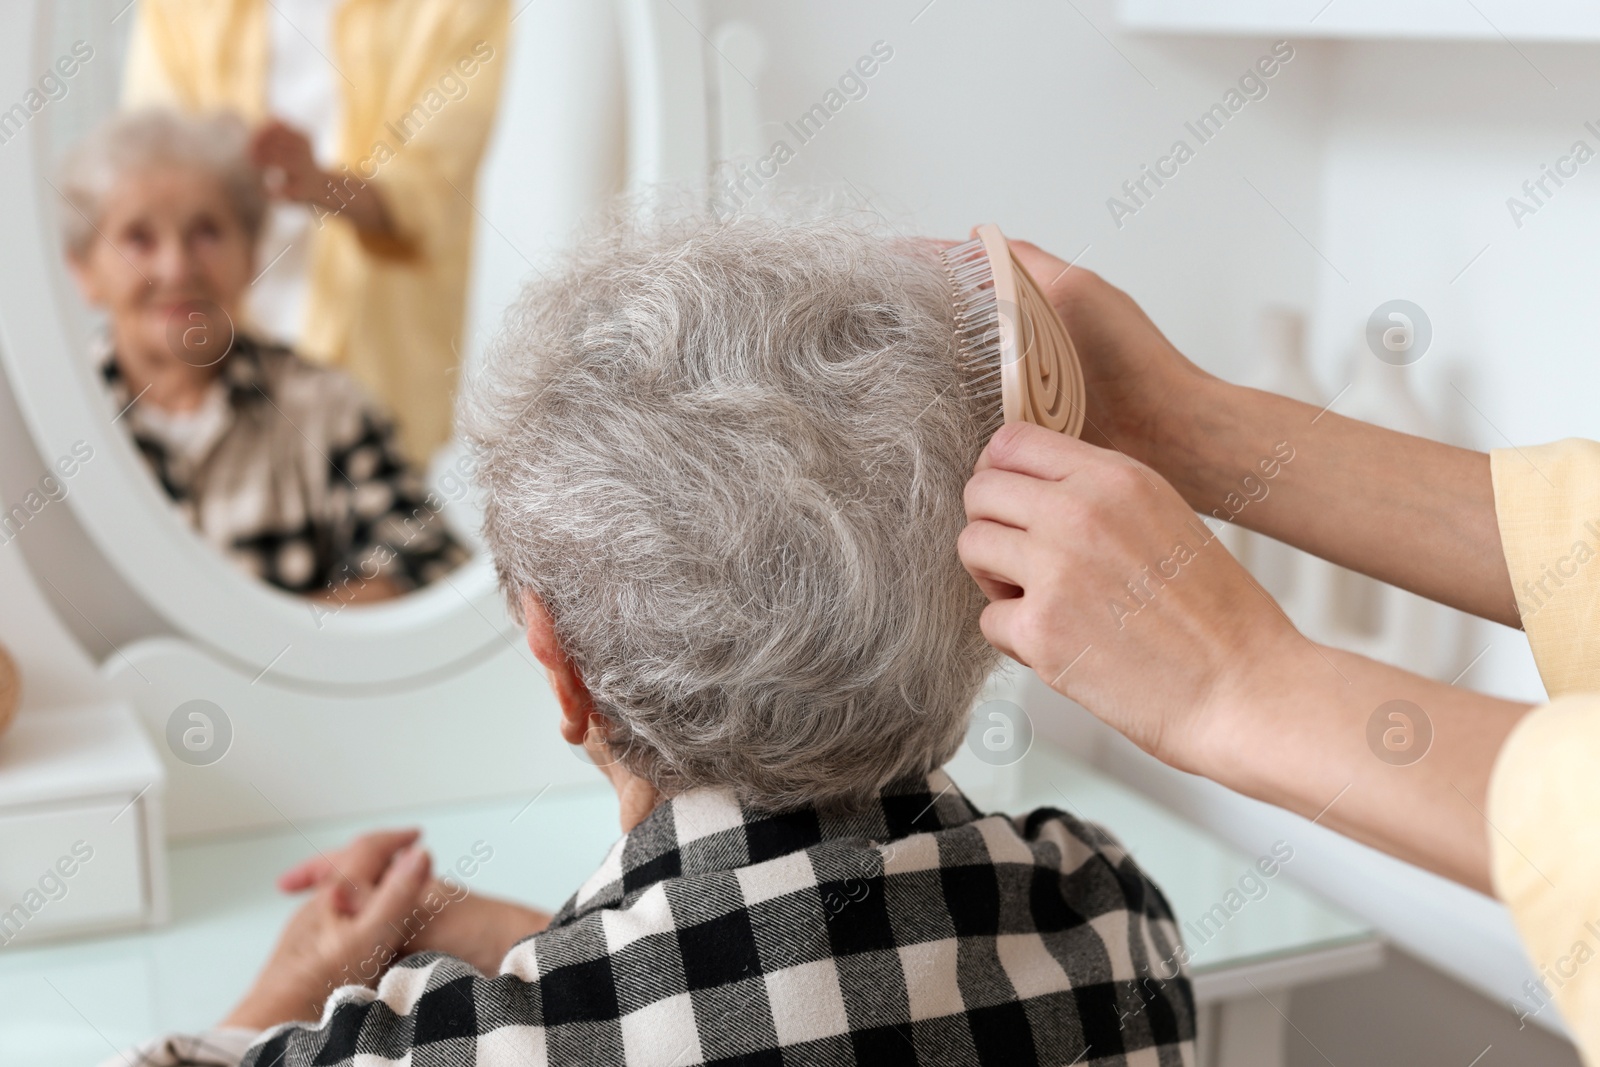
(724, 465)
(289, 469)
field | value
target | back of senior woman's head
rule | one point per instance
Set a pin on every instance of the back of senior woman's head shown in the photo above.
(133, 141)
(728, 458)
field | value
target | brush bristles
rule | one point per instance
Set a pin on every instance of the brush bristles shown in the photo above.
(977, 322)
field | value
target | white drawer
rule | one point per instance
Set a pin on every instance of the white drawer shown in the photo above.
(71, 867)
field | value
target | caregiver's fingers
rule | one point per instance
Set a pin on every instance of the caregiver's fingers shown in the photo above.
(999, 623)
(1014, 627)
(996, 556)
(1005, 497)
(1128, 603)
(1035, 451)
(993, 586)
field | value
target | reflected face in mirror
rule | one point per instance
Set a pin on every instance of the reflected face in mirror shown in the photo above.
(291, 469)
(173, 247)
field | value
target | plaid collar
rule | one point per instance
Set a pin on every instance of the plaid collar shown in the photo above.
(904, 931)
(704, 831)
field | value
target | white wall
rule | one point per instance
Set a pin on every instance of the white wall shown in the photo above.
(1425, 143)
(1023, 114)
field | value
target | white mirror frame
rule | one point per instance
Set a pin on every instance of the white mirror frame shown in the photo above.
(458, 620)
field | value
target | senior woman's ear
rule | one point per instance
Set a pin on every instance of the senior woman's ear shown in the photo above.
(576, 704)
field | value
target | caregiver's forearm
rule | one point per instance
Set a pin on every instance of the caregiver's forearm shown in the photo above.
(1300, 737)
(1412, 512)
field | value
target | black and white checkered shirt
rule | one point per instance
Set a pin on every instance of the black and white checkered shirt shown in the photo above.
(916, 931)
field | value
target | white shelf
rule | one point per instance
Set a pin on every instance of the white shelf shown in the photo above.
(1490, 20)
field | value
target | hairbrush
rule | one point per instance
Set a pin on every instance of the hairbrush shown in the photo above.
(1011, 343)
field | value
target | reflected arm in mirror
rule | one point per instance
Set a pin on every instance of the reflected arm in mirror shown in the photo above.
(370, 591)
(294, 175)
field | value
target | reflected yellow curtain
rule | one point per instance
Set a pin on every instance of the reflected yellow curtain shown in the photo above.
(421, 82)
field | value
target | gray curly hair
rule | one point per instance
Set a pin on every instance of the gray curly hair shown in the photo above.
(131, 141)
(728, 458)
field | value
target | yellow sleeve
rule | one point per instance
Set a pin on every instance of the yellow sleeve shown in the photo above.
(1547, 501)
(1544, 792)
(439, 125)
(1544, 812)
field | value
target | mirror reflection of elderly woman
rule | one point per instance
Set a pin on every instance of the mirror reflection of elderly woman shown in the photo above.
(371, 119)
(289, 469)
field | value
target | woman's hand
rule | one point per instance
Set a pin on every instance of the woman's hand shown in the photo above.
(448, 917)
(360, 864)
(1138, 384)
(1405, 510)
(1104, 582)
(290, 163)
(337, 938)
(286, 155)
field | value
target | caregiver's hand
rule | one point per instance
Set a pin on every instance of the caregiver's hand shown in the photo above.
(329, 940)
(1137, 381)
(1101, 584)
(1412, 512)
(286, 156)
(1104, 582)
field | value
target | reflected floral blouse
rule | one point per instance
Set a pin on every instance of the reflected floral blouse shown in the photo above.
(294, 473)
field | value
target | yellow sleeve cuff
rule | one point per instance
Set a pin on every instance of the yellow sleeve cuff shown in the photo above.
(1547, 502)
